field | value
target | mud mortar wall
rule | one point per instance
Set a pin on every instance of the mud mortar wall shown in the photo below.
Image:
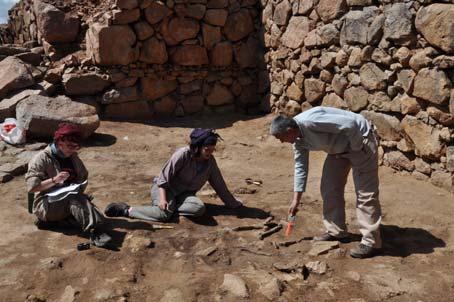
(157, 58)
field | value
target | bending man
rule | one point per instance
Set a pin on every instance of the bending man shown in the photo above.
(351, 143)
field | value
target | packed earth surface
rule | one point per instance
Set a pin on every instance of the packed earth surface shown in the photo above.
(207, 259)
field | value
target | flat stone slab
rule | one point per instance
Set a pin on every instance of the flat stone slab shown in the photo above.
(14, 169)
(322, 247)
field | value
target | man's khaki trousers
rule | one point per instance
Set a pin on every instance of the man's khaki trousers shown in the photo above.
(364, 165)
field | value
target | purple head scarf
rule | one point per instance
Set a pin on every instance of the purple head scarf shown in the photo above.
(203, 137)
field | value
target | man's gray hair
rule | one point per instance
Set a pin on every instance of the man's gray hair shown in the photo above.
(281, 124)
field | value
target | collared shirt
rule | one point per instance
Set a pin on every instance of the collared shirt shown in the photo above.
(326, 129)
(181, 173)
(45, 165)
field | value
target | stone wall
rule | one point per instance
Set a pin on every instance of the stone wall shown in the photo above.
(141, 59)
(390, 60)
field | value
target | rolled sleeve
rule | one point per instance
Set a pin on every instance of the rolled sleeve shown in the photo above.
(171, 167)
(36, 173)
(301, 156)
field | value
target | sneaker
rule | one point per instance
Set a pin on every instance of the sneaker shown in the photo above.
(117, 209)
(328, 237)
(99, 239)
(363, 251)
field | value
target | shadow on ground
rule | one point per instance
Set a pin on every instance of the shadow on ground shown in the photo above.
(215, 121)
(213, 210)
(403, 242)
(100, 140)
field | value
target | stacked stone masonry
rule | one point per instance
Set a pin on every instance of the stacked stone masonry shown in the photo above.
(392, 61)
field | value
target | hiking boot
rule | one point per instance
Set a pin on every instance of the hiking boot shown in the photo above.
(363, 251)
(117, 209)
(328, 237)
(99, 239)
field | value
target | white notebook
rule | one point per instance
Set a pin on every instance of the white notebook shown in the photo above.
(63, 192)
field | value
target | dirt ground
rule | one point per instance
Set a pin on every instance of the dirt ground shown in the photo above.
(171, 265)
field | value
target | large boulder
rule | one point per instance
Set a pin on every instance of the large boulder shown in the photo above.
(282, 13)
(425, 138)
(216, 17)
(125, 16)
(54, 25)
(388, 127)
(222, 54)
(195, 11)
(294, 92)
(219, 95)
(84, 84)
(14, 75)
(372, 77)
(193, 104)
(356, 98)
(246, 53)
(182, 29)
(434, 22)
(154, 51)
(314, 89)
(127, 4)
(165, 106)
(405, 79)
(333, 100)
(190, 55)
(40, 115)
(398, 26)
(143, 30)
(398, 161)
(8, 106)
(362, 27)
(156, 12)
(331, 9)
(211, 35)
(11, 50)
(296, 32)
(443, 179)
(153, 89)
(238, 25)
(432, 85)
(111, 45)
(322, 36)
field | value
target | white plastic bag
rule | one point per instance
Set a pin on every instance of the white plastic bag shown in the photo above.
(11, 132)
